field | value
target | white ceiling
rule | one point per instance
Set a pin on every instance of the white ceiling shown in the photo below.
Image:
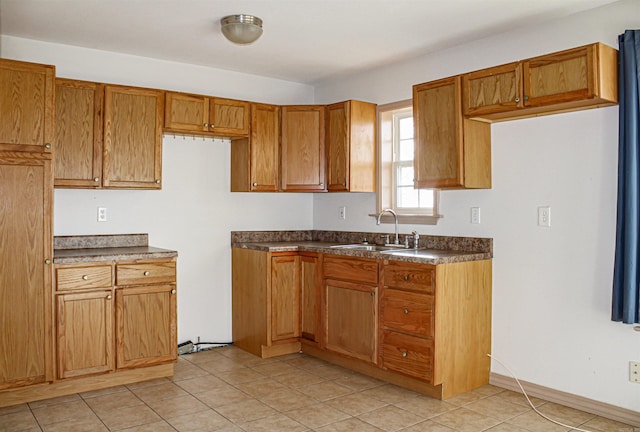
(304, 41)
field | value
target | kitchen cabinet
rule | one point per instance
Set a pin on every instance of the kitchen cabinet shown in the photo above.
(302, 144)
(578, 78)
(266, 302)
(146, 332)
(255, 162)
(133, 120)
(25, 270)
(26, 106)
(84, 319)
(311, 283)
(351, 306)
(351, 147)
(78, 138)
(451, 152)
(206, 115)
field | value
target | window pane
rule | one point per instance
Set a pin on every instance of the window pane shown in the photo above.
(407, 197)
(406, 150)
(405, 176)
(406, 128)
(426, 198)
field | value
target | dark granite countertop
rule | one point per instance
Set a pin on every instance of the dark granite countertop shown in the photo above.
(74, 249)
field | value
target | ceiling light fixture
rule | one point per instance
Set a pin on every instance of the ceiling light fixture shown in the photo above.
(241, 29)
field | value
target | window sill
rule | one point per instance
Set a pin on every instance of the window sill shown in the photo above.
(410, 219)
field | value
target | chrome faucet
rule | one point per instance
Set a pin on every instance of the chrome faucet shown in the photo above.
(395, 218)
(416, 239)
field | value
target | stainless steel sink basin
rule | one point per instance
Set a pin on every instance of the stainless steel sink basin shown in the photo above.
(362, 247)
(420, 253)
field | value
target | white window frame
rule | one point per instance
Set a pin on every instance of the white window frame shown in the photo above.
(386, 188)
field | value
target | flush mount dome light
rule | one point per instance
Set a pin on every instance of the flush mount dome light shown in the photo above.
(241, 29)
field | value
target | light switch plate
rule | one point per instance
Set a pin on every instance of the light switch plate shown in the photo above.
(544, 216)
(102, 214)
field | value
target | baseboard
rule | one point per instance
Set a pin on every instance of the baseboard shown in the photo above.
(601, 409)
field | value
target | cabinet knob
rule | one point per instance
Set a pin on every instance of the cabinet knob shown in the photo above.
(85, 277)
(109, 297)
(373, 293)
(212, 126)
(526, 98)
(404, 354)
(146, 273)
(517, 99)
(406, 311)
(173, 291)
(96, 179)
(405, 277)
(255, 184)
(158, 181)
(321, 184)
(206, 125)
(47, 146)
(47, 261)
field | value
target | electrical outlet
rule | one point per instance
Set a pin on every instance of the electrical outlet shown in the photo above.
(102, 214)
(544, 216)
(475, 215)
(634, 372)
(343, 212)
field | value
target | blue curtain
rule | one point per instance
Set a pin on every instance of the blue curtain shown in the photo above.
(626, 276)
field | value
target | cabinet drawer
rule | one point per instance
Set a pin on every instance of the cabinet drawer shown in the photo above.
(407, 311)
(351, 269)
(74, 278)
(408, 354)
(146, 273)
(417, 277)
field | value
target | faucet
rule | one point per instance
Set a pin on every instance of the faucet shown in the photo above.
(416, 239)
(395, 218)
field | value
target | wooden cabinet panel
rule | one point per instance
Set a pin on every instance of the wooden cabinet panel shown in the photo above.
(78, 139)
(132, 149)
(407, 354)
(351, 147)
(351, 269)
(351, 319)
(145, 325)
(88, 277)
(85, 333)
(416, 277)
(25, 277)
(492, 90)
(285, 297)
(146, 273)
(407, 312)
(26, 106)
(311, 290)
(229, 117)
(186, 112)
(303, 148)
(450, 152)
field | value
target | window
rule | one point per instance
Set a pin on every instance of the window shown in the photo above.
(418, 206)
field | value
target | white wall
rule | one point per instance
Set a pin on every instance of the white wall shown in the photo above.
(194, 212)
(552, 286)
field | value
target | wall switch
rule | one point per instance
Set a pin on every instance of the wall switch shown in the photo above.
(102, 214)
(544, 216)
(634, 372)
(475, 215)
(343, 212)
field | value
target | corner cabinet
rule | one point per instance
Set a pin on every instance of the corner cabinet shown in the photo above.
(132, 149)
(302, 142)
(351, 147)
(451, 152)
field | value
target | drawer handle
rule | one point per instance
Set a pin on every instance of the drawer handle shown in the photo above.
(146, 273)
(404, 354)
(406, 311)
(85, 277)
(109, 297)
(173, 291)
(405, 277)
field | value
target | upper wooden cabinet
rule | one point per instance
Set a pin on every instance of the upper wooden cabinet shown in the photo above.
(78, 139)
(132, 137)
(26, 106)
(351, 147)
(578, 78)
(255, 160)
(303, 148)
(450, 151)
(203, 114)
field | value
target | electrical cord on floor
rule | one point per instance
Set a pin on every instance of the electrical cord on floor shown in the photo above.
(217, 345)
(529, 400)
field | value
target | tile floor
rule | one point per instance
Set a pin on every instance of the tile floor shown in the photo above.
(229, 390)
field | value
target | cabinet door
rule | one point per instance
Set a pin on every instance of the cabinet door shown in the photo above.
(85, 333)
(145, 325)
(311, 290)
(285, 297)
(338, 133)
(186, 112)
(493, 90)
(351, 323)
(303, 157)
(25, 277)
(78, 140)
(229, 117)
(26, 106)
(132, 137)
(264, 146)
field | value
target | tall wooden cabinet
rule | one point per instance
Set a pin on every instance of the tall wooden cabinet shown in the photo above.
(451, 152)
(302, 142)
(351, 147)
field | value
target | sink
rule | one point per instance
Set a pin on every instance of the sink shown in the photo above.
(421, 253)
(362, 247)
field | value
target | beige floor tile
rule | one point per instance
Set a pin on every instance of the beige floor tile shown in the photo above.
(425, 406)
(102, 392)
(599, 424)
(240, 376)
(54, 401)
(221, 397)
(356, 404)
(274, 368)
(307, 363)
(162, 391)
(358, 382)
(466, 398)
(239, 355)
(390, 418)
(185, 370)
(314, 416)
(177, 406)
(465, 420)
(489, 390)
(534, 423)
(201, 384)
(349, 425)
(246, 411)
(14, 409)
(202, 357)
(520, 399)
(148, 383)
(325, 390)
(17, 421)
(91, 425)
(76, 410)
(570, 416)
(428, 426)
(160, 426)
(275, 423)
(223, 364)
(506, 427)
(299, 378)
(129, 417)
(497, 408)
(287, 400)
(113, 401)
(332, 372)
(390, 393)
(262, 387)
(202, 421)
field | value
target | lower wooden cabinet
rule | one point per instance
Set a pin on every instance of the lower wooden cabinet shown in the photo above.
(310, 281)
(285, 297)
